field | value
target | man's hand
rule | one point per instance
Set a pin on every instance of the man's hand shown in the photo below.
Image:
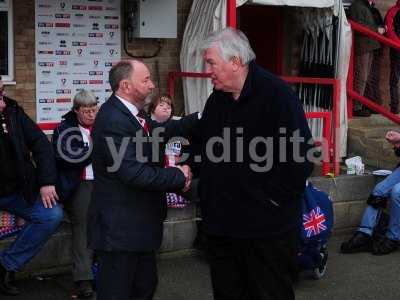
(381, 30)
(393, 137)
(188, 175)
(49, 196)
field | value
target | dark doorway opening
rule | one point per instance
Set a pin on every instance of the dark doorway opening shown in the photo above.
(263, 25)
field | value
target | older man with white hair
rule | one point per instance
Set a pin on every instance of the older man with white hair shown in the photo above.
(251, 183)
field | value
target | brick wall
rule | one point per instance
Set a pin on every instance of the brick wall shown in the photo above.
(168, 58)
(24, 56)
(24, 42)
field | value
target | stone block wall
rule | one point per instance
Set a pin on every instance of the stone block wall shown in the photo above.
(348, 194)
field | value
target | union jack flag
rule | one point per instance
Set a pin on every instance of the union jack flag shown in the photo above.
(314, 222)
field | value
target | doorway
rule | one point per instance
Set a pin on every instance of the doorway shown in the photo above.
(263, 25)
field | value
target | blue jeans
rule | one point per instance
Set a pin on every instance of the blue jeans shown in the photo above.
(41, 223)
(390, 188)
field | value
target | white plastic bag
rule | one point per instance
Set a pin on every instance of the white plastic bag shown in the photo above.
(354, 165)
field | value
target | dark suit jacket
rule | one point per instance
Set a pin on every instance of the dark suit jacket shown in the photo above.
(128, 206)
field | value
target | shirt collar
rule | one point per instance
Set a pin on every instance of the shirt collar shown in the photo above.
(132, 108)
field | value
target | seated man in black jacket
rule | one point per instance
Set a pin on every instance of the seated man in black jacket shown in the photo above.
(72, 144)
(25, 190)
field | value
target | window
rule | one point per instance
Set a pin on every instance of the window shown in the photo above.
(6, 41)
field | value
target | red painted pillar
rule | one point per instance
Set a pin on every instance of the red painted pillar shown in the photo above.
(336, 139)
(231, 13)
(350, 81)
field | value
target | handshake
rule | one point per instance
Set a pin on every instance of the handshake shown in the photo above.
(185, 169)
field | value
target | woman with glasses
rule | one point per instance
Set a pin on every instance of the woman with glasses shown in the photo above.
(72, 146)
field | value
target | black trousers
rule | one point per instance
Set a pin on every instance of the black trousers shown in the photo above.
(372, 90)
(126, 275)
(253, 269)
(394, 80)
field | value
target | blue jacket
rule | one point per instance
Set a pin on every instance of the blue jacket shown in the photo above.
(72, 155)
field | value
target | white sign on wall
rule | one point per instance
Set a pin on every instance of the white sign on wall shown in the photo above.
(77, 41)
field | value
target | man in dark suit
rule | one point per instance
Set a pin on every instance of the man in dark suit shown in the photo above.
(128, 202)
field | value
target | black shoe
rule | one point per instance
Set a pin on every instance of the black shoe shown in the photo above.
(384, 246)
(6, 288)
(359, 242)
(377, 201)
(84, 289)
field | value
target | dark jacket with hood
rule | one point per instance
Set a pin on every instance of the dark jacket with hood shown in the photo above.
(72, 155)
(34, 157)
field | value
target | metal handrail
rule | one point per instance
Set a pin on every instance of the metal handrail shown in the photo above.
(331, 136)
(354, 95)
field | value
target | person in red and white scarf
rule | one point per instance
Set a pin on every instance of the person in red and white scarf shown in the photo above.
(72, 146)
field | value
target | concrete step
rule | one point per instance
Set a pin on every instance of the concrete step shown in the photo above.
(348, 194)
(372, 121)
(370, 132)
(366, 138)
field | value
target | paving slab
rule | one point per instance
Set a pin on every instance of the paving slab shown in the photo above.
(186, 277)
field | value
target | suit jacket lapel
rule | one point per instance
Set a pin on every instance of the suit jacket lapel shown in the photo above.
(118, 104)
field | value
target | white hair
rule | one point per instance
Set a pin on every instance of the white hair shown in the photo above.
(231, 43)
(84, 98)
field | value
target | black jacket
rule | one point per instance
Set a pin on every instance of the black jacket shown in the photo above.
(72, 155)
(236, 199)
(128, 204)
(38, 169)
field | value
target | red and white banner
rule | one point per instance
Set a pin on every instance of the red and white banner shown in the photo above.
(77, 42)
